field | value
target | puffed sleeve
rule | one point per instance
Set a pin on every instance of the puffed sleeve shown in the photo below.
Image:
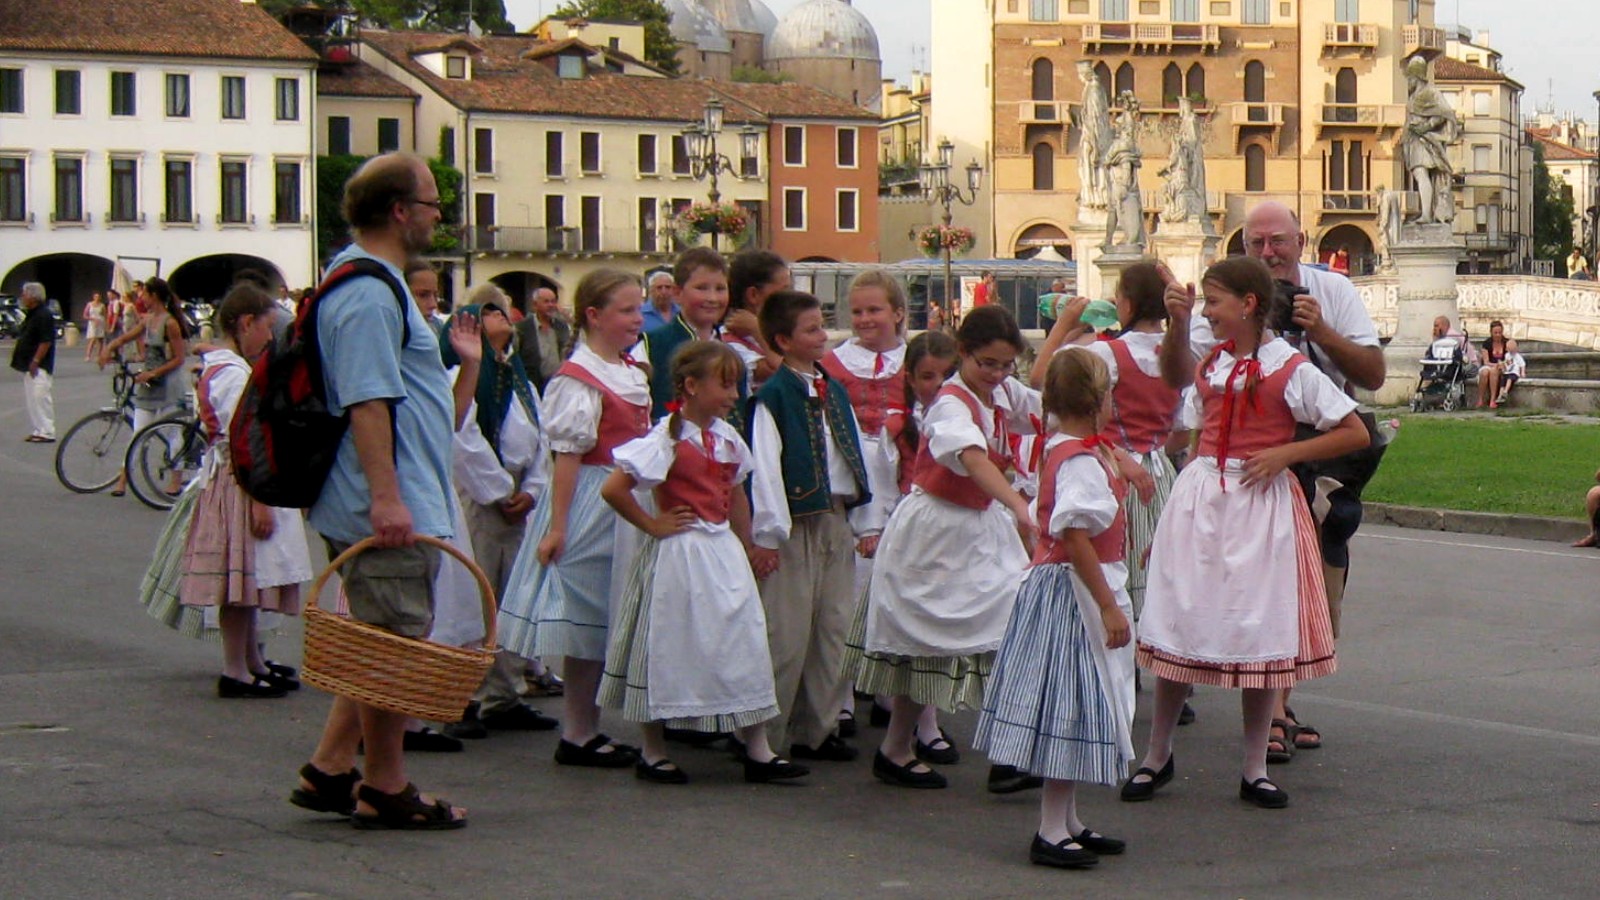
(571, 415)
(1083, 497)
(647, 459)
(769, 503)
(1315, 399)
(950, 430)
(523, 450)
(742, 455)
(1191, 411)
(224, 389)
(1027, 406)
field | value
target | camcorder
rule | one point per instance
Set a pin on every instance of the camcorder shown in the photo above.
(1280, 313)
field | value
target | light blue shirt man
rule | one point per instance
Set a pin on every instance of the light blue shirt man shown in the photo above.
(359, 329)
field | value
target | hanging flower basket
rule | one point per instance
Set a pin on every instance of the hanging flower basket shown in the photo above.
(707, 218)
(935, 239)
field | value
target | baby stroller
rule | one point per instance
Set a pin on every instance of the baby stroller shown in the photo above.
(1443, 379)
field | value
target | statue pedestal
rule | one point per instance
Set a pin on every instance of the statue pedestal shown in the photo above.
(1426, 259)
(1109, 266)
(1187, 248)
(1087, 236)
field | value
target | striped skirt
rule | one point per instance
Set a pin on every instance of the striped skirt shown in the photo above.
(624, 683)
(1051, 707)
(159, 589)
(564, 609)
(948, 682)
(222, 559)
(1142, 518)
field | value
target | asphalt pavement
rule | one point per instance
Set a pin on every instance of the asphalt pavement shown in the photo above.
(1461, 738)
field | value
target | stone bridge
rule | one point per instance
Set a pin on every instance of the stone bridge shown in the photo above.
(1550, 310)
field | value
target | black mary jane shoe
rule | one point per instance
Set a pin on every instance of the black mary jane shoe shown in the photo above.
(847, 724)
(282, 671)
(257, 689)
(1010, 780)
(1134, 791)
(832, 749)
(271, 677)
(906, 776)
(774, 769)
(1099, 843)
(1068, 854)
(426, 740)
(521, 717)
(1263, 793)
(594, 755)
(941, 751)
(662, 771)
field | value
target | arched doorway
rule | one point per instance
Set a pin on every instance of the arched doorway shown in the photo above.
(520, 285)
(1235, 245)
(207, 278)
(68, 278)
(1356, 243)
(1035, 238)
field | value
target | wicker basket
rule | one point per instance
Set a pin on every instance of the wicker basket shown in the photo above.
(383, 669)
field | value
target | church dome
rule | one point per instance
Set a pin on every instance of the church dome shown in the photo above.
(691, 24)
(734, 15)
(765, 17)
(823, 29)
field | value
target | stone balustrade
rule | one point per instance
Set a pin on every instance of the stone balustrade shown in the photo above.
(1552, 310)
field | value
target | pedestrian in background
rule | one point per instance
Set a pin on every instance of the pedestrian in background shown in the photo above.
(544, 338)
(34, 355)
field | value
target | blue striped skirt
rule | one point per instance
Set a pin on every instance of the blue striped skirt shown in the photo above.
(1048, 708)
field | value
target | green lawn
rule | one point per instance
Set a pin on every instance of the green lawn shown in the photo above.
(1539, 467)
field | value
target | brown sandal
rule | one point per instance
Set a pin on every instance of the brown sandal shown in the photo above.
(328, 793)
(405, 811)
(1280, 748)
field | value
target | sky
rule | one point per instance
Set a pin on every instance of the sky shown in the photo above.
(1548, 45)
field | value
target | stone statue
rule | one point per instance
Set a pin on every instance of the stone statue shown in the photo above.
(1094, 134)
(1124, 205)
(1185, 189)
(1389, 218)
(1431, 127)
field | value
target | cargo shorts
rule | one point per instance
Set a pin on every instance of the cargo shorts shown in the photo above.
(390, 587)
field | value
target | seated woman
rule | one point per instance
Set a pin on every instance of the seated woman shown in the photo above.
(1494, 353)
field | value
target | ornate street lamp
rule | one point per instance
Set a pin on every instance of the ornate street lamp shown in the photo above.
(705, 162)
(936, 187)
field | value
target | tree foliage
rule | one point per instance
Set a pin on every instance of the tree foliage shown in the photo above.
(754, 75)
(423, 15)
(333, 233)
(660, 48)
(1552, 213)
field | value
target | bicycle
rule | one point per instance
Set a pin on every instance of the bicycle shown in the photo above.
(164, 457)
(90, 457)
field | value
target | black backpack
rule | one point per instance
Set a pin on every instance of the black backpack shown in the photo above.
(283, 438)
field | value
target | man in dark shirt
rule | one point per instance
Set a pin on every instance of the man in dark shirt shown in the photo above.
(35, 357)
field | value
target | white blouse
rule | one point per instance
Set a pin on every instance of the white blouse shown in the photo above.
(649, 459)
(1313, 398)
(1084, 500)
(572, 408)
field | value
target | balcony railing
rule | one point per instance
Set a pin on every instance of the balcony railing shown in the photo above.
(1346, 201)
(1377, 117)
(1491, 241)
(1340, 36)
(1258, 114)
(1323, 203)
(565, 240)
(1422, 39)
(1042, 112)
(1153, 36)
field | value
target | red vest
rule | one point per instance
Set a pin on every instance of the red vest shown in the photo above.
(944, 483)
(699, 482)
(872, 398)
(1246, 423)
(620, 421)
(1142, 407)
(1110, 545)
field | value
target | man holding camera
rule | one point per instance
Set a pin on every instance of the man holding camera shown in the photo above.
(1330, 325)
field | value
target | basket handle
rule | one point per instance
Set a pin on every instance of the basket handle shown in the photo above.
(485, 589)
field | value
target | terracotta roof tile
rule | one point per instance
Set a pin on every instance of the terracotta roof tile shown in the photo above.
(223, 29)
(357, 79)
(1446, 68)
(793, 101)
(1555, 150)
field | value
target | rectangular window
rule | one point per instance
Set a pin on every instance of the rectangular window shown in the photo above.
(1078, 7)
(235, 192)
(749, 167)
(849, 215)
(1043, 11)
(483, 151)
(1480, 158)
(1256, 12)
(180, 190)
(124, 190)
(794, 209)
(589, 152)
(455, 67)
(483, 220)
(388, 135)
(124, 89)
(338, 135)
(1480, 103)
(1114, 10)
(1149, 7)
(680, 155)
(589, 219)
(794, 145)
(13, 189)
(69, 189)
(286, 192)
(554, 150)
(1221, 7)
(647, 154)
(848, 141)
(288, 105)
(1347, 10)
(233, 96)
(447, 145)
(10, 90)
(647, 224)
(69, 96)
(1185, 10)
(555, 222)
(177, 95)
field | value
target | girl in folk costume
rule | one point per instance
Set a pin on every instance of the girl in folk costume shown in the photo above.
(240, 556)
(689, 644)
(870, 366)
(1235, 596)
(575, 551)
(753, 276)
(1060, 700)
(951, 558)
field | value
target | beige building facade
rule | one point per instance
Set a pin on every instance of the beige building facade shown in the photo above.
(1494, 158)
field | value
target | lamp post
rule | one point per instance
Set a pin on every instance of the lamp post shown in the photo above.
(936, 186)
(701, 141)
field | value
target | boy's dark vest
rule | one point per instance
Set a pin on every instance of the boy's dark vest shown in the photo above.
(795, 410)
(661, 345)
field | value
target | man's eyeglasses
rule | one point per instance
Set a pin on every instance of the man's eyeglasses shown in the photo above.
(433, 203)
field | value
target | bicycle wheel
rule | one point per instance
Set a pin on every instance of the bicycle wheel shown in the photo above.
(89, 458)
(162, 459)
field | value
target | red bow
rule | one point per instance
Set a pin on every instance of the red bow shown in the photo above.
(1250, 367)
(674, 406)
